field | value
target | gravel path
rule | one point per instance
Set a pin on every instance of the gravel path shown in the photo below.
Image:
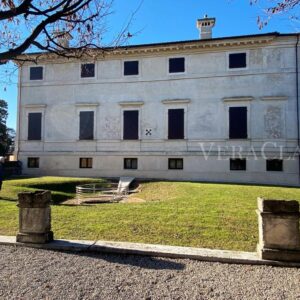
(39, 274)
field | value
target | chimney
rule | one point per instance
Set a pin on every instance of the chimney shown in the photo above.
(62, 38)
(205, 26)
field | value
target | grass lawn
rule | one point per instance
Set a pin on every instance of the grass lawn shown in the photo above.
(176, 213)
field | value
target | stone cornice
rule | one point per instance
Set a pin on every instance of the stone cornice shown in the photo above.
(197, 45)
(240, 98)
(274, 98)
(35, 106)
(94, 104)
(131, 103)
(176, 101)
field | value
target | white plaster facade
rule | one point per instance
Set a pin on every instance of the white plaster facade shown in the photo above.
(206, 90)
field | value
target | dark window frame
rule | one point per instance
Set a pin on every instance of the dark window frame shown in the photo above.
(176, 132)
(171, 68)
(31, 75)
(234, 126)
(127, 69)
(85, 162)
(82, 137)
(233, 65)
(242, 167)
(133, 163)
(86, 75)
(33, 162)
(134, 134)
(270, 167)
(178, 163)
(31, 126)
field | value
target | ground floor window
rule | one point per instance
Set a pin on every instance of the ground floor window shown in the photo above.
(274, 165)
(238, 164)
(175, 163)
(33, 162)
(130, 163)
(85, 163)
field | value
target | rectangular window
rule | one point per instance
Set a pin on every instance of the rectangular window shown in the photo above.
(86, 131)
(130, 163)
(85, 163)
(238, 164)
(33, 162)
(237, 60)
(176, 123)
(36, 73)
(274, 165)
(34, 126)
(177, 65)
(175, 163)
(238, 123)
(87, 70)
(131, 125)
(131, 68)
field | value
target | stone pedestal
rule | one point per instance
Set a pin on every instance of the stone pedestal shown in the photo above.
(278, 224)
(34, 217)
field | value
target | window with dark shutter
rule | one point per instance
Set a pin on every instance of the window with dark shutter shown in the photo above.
(85, 163)
(131, 125)
(275, 165)
(238, 123)
(131, 68)
(34, 126)
(238, 164)
(130, 163)
(87, 70)
(33, 162)
(237, 60)
(36, 73)
(177, 65)
(175, 164)
(176, 123)
(86, 131)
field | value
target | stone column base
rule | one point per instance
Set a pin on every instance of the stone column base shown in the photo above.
(278, 254)
(35, 238)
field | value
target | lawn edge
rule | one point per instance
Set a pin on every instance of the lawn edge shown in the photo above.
(201, 254)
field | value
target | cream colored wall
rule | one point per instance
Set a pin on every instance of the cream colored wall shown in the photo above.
(205, 84)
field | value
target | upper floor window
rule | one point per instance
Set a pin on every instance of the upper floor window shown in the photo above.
(176, 123)
(177, 65)
(131, 68)
(36, 73)
(86, 125)
(130, 124)
(238, 123)
(35, 126)
(87, 70)
(237, 60)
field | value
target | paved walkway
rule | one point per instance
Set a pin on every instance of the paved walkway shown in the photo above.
(27, 273)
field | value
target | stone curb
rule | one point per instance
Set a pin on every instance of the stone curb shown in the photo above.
(222, 256)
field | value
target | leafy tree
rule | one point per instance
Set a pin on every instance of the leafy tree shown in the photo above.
(48, 25)
(275, 7)
(6, 134)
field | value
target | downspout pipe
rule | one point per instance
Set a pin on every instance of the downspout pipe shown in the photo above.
(297, 102)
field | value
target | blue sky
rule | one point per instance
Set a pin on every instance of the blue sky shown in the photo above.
(175, 20)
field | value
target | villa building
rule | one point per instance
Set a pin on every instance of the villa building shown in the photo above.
(212, 109)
